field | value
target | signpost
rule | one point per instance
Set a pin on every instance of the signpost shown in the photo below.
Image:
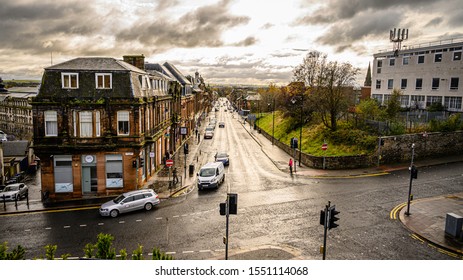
(169, 162)
(324, 148)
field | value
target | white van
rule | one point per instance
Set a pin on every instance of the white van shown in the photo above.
(211, 175)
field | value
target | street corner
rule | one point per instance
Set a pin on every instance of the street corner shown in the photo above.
(264, 252)
(182, 191)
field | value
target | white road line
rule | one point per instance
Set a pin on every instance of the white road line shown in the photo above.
(187, 252)
(171, 253)
(137, 220)
(184, 215)
(83, 225)
(66, 226)
(205, 251)
(158, 218)
(27, 230)
(176, 216)
(121, 222)
(219, 250)
(100, 224)
(48, 228)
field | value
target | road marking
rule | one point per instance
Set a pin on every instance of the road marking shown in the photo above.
(187, 252)
(176, 216)
(83, 225)
(121, 222)
(395, 210)
(159, 218)
(100, 224)
(205, 251)
(48, 228)
(66, 226)
(137, 220)
(171, 253)
(27, 230)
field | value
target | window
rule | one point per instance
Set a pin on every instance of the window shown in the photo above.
(457, 55)
(70, 80)
(454, 83)
(378, 97)
(404, 99)
(63, 173)
(433, 99)
(51, 123)
(435, 83)
(419, 83)
(405, 60)
(97, 124)
(420, 59)
(378, 84)
(453, 103)
(403, 84)
(438, 57)
(390, 83)
(103, 80)
(123, 123)
(380, 63)
(86, 121)
(114, 171)
(391, 61)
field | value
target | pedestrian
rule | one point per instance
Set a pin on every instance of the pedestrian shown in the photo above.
(199, 137)
(291, 166)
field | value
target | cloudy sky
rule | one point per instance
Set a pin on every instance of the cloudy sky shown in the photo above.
(227, 41)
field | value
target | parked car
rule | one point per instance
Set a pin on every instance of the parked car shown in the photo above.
(14, 192)
(3, 136)
(130, 201)
(209, 133)
(221, 124)
(222, 157)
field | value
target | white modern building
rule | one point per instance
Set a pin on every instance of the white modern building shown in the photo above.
(425, 74)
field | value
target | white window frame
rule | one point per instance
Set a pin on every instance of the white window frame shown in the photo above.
(390, 84)
(97, 124)
(123, 116)
(69, 80)
(104, 76)
(458, 83)
(51, 123)
(418, 59)
(85, 128)
(454, 55)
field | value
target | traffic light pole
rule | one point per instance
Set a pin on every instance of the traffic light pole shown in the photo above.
(327, 217)
(227, 215)
(411, 180)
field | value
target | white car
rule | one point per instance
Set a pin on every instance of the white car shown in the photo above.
(14, 192)
(209, 133)
(130, 201)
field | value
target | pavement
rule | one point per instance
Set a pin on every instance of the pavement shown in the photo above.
(426, 219)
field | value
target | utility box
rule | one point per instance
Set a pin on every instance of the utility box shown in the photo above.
(192, 169)
(453, 225)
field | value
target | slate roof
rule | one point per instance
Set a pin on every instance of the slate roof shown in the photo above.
(176, 73)
(15, 148)
(95, 64)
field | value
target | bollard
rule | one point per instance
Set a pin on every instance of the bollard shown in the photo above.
(16, 202)
(27, 198)
(4, 202)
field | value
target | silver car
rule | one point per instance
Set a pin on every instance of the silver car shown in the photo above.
(130, 201)
(14, 192)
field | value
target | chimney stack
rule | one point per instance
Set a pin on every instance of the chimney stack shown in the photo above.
(136, 60)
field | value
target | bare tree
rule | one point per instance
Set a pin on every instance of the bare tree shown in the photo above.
(330, 86)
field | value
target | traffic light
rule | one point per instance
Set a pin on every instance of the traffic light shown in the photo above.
(414, 172)
(381, 140)
(333, 218)
(223, 209)
(295, 143)
(134, 164)
(185, 148)
(142, 162)
(232, 203)
(322, 217)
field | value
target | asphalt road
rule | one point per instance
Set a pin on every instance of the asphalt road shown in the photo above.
(274, 209)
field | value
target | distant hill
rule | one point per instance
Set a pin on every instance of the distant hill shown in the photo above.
(20, 83)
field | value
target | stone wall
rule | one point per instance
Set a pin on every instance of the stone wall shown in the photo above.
(395, 149)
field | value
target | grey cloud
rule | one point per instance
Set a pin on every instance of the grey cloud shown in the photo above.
(249, 41)
(435, 21)
(199, 28)
(165, 4)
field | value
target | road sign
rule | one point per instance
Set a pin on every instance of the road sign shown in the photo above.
(324, 146)
(169, 162)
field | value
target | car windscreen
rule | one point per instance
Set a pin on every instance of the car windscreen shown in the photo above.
(119, 198)
(222, 155)
(207, 172)
(209, 129)
(11, 188)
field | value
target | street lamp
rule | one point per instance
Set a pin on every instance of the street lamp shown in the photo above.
(293, 100)
(273, 119)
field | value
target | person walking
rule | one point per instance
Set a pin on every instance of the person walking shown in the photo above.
(291, 166)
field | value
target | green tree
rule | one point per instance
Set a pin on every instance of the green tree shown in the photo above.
(393, 104)
(50, 251)
(104, 247)
(368, 109)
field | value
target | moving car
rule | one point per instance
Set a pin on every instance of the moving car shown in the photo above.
(130, 201)
(221, 124)
(209, 133)
(211, 175)
(3, 136)
(14, 192)
(222, 157)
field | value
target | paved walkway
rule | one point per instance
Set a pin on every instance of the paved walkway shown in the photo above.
(426, 219)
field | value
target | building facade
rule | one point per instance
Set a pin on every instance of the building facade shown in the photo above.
(426, 74)
(101, 126)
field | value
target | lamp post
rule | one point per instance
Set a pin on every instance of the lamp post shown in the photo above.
(273, 119)
(293, 100)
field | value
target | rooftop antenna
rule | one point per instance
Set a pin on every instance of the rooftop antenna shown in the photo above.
(397, 36)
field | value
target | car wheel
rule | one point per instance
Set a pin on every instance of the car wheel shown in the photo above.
(114, 213)
(148, 206)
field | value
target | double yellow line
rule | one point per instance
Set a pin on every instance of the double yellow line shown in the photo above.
(395, 210)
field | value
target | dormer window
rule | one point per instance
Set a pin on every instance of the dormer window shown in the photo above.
(103, 80)
(70, 80)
